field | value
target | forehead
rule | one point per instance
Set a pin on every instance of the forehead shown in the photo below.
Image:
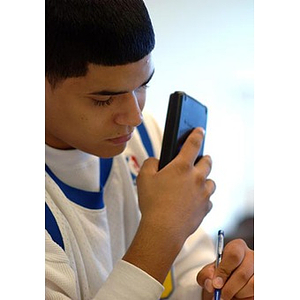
(124, 77)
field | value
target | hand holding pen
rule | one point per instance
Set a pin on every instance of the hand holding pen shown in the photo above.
(231, 276)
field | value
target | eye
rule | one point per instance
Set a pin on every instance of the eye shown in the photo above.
(103, 102)
(145, 86)
(142, 88)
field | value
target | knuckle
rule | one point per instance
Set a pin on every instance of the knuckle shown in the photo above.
(205, 165)
(209, 206)
(236, 245)
(206, 208)
(183, 166)
(211, 186)
(208, 188)
(146, 167)
(234, 257)
(243, 275)
(238, 242)
(200, 179)
(224, 272)
(195, 141)
(146, 163)
(150, 160)
(207, 159)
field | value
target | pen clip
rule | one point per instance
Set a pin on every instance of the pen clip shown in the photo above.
(220, 246)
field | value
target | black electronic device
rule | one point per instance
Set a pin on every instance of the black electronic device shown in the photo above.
(184, 114)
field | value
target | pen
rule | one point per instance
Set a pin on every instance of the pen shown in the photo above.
(220, 246)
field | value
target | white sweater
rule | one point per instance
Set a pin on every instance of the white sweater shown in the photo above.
(95, 237)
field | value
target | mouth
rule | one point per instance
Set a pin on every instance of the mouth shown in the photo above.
(121, 139)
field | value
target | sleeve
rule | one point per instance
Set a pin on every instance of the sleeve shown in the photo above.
(59, 276)
(129, 282)
(125, 281)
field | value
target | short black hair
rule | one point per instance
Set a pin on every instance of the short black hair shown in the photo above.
(103, 32)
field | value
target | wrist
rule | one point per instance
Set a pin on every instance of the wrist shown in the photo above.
(154, 249)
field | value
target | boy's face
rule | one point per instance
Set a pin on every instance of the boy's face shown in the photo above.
(98, 112)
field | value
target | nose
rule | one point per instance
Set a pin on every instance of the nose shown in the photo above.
(130, 111)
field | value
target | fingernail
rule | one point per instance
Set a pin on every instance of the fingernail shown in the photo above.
(218, 282)
(208, 285)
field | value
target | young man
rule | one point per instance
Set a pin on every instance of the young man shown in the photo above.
(110, 235)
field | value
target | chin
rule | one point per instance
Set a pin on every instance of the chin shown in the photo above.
(108, 153)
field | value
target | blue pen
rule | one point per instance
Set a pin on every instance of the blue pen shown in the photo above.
(220, 247)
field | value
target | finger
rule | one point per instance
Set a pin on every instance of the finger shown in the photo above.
(239, 280)
(210, 187)
(247, 290)
(208, 207)
(205, 277)
(191, 147)
(233, 255)
(204, 166)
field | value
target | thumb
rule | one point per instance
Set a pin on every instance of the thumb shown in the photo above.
(150, 166)
(233, 256)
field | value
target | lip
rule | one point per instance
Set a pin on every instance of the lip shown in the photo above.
(121, 139)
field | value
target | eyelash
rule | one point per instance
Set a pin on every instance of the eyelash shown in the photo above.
(109, 101)
(103, 103)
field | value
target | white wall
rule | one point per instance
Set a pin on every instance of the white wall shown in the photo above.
(205, 48)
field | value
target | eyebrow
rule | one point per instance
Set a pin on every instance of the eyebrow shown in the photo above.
(113, 93)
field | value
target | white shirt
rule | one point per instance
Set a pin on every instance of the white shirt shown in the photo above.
(95, 239)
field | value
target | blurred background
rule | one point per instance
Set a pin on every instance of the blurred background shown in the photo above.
(206, 48)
